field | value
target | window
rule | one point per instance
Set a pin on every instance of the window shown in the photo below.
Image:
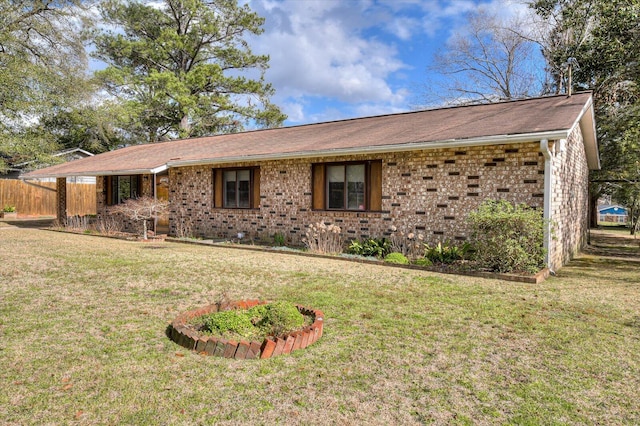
(347, 186)
(236, 188)
(121, 188)
(345, 189)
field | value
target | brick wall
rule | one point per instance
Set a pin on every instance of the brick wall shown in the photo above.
(570, 199)
(428, 191)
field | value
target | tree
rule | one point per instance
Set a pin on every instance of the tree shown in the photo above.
(142, 209)
(180, 67)
(490, 59)
(602, 40)
(95, 126)
(42, 62)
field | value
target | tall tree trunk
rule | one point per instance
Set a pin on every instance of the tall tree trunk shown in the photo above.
(185, 127)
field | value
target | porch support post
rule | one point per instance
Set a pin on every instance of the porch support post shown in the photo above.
(61, 200)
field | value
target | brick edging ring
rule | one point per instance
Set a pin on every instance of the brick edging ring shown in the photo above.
(271, 346)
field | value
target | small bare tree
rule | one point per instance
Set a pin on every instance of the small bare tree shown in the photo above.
(142, 209)
(489, 59)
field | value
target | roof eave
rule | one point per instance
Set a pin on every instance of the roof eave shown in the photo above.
(379, 149)
(155, 170)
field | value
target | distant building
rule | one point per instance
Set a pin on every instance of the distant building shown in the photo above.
(612, 214)
(18, 169)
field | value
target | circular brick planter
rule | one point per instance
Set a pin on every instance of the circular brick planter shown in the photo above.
(185, 336)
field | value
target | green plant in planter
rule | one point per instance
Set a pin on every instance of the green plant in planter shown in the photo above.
(278, 239)
(376, 247)
(272, 319)
(277, 317)
(444, 253)
(397, 258)
(9, 209)
(423, 261)
(226, 322)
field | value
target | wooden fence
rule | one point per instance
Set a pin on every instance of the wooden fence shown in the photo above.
(39, 198)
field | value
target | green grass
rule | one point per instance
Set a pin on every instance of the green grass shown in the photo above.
(83, 322)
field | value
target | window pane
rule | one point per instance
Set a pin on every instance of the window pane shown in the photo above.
(244, 180)
(355, 187)
(124, 188)
(229, 182)
(335, 178)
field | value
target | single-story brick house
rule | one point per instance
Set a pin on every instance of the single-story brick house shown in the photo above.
(419, 171)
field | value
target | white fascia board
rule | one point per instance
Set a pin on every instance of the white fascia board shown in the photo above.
(381, 149)
(99, 173)
(159, 169)
(586, 121)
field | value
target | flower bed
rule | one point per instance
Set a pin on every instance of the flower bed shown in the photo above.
(188, 337)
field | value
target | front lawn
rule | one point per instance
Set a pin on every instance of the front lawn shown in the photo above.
(83, 322)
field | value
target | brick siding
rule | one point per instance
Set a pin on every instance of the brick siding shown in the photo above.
(570, 199)
(428, 191)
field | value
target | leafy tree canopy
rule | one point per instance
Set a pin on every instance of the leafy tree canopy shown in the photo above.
(601, 40)
(41, 57)
(180, 67)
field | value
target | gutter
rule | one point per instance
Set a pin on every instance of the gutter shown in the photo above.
(379, 149)
(367, 150)
(548, 185)
(155, 170)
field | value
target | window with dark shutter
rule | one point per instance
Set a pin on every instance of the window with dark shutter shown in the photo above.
(236, 188)
(353, 186)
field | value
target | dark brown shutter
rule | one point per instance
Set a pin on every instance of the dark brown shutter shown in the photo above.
(109, 184)
(217, 188)
(375, 186)
(318, 187)
(256, 188)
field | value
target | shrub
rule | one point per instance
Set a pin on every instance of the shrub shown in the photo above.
(376, 247)
(108, 225)
(423, 261)
(225, 322)
(272, 319)
(323, 239)
(77, 223)
(278, 239)
(507, 237)
(9, 209)
(445, 253)
(276, 318)
(397, 258)
(409, 243)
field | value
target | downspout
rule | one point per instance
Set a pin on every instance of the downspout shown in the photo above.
(548, 185)
(155, 198)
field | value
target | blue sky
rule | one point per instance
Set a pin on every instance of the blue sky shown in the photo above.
(335, 59)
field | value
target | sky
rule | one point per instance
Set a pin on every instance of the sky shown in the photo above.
(337, 59)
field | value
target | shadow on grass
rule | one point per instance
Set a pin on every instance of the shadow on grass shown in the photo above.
(29, 223)
(610, 244)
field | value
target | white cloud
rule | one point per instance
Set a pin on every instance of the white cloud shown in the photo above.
(318, 49)
(354, 57)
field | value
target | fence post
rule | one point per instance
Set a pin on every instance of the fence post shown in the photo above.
(61, 200)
